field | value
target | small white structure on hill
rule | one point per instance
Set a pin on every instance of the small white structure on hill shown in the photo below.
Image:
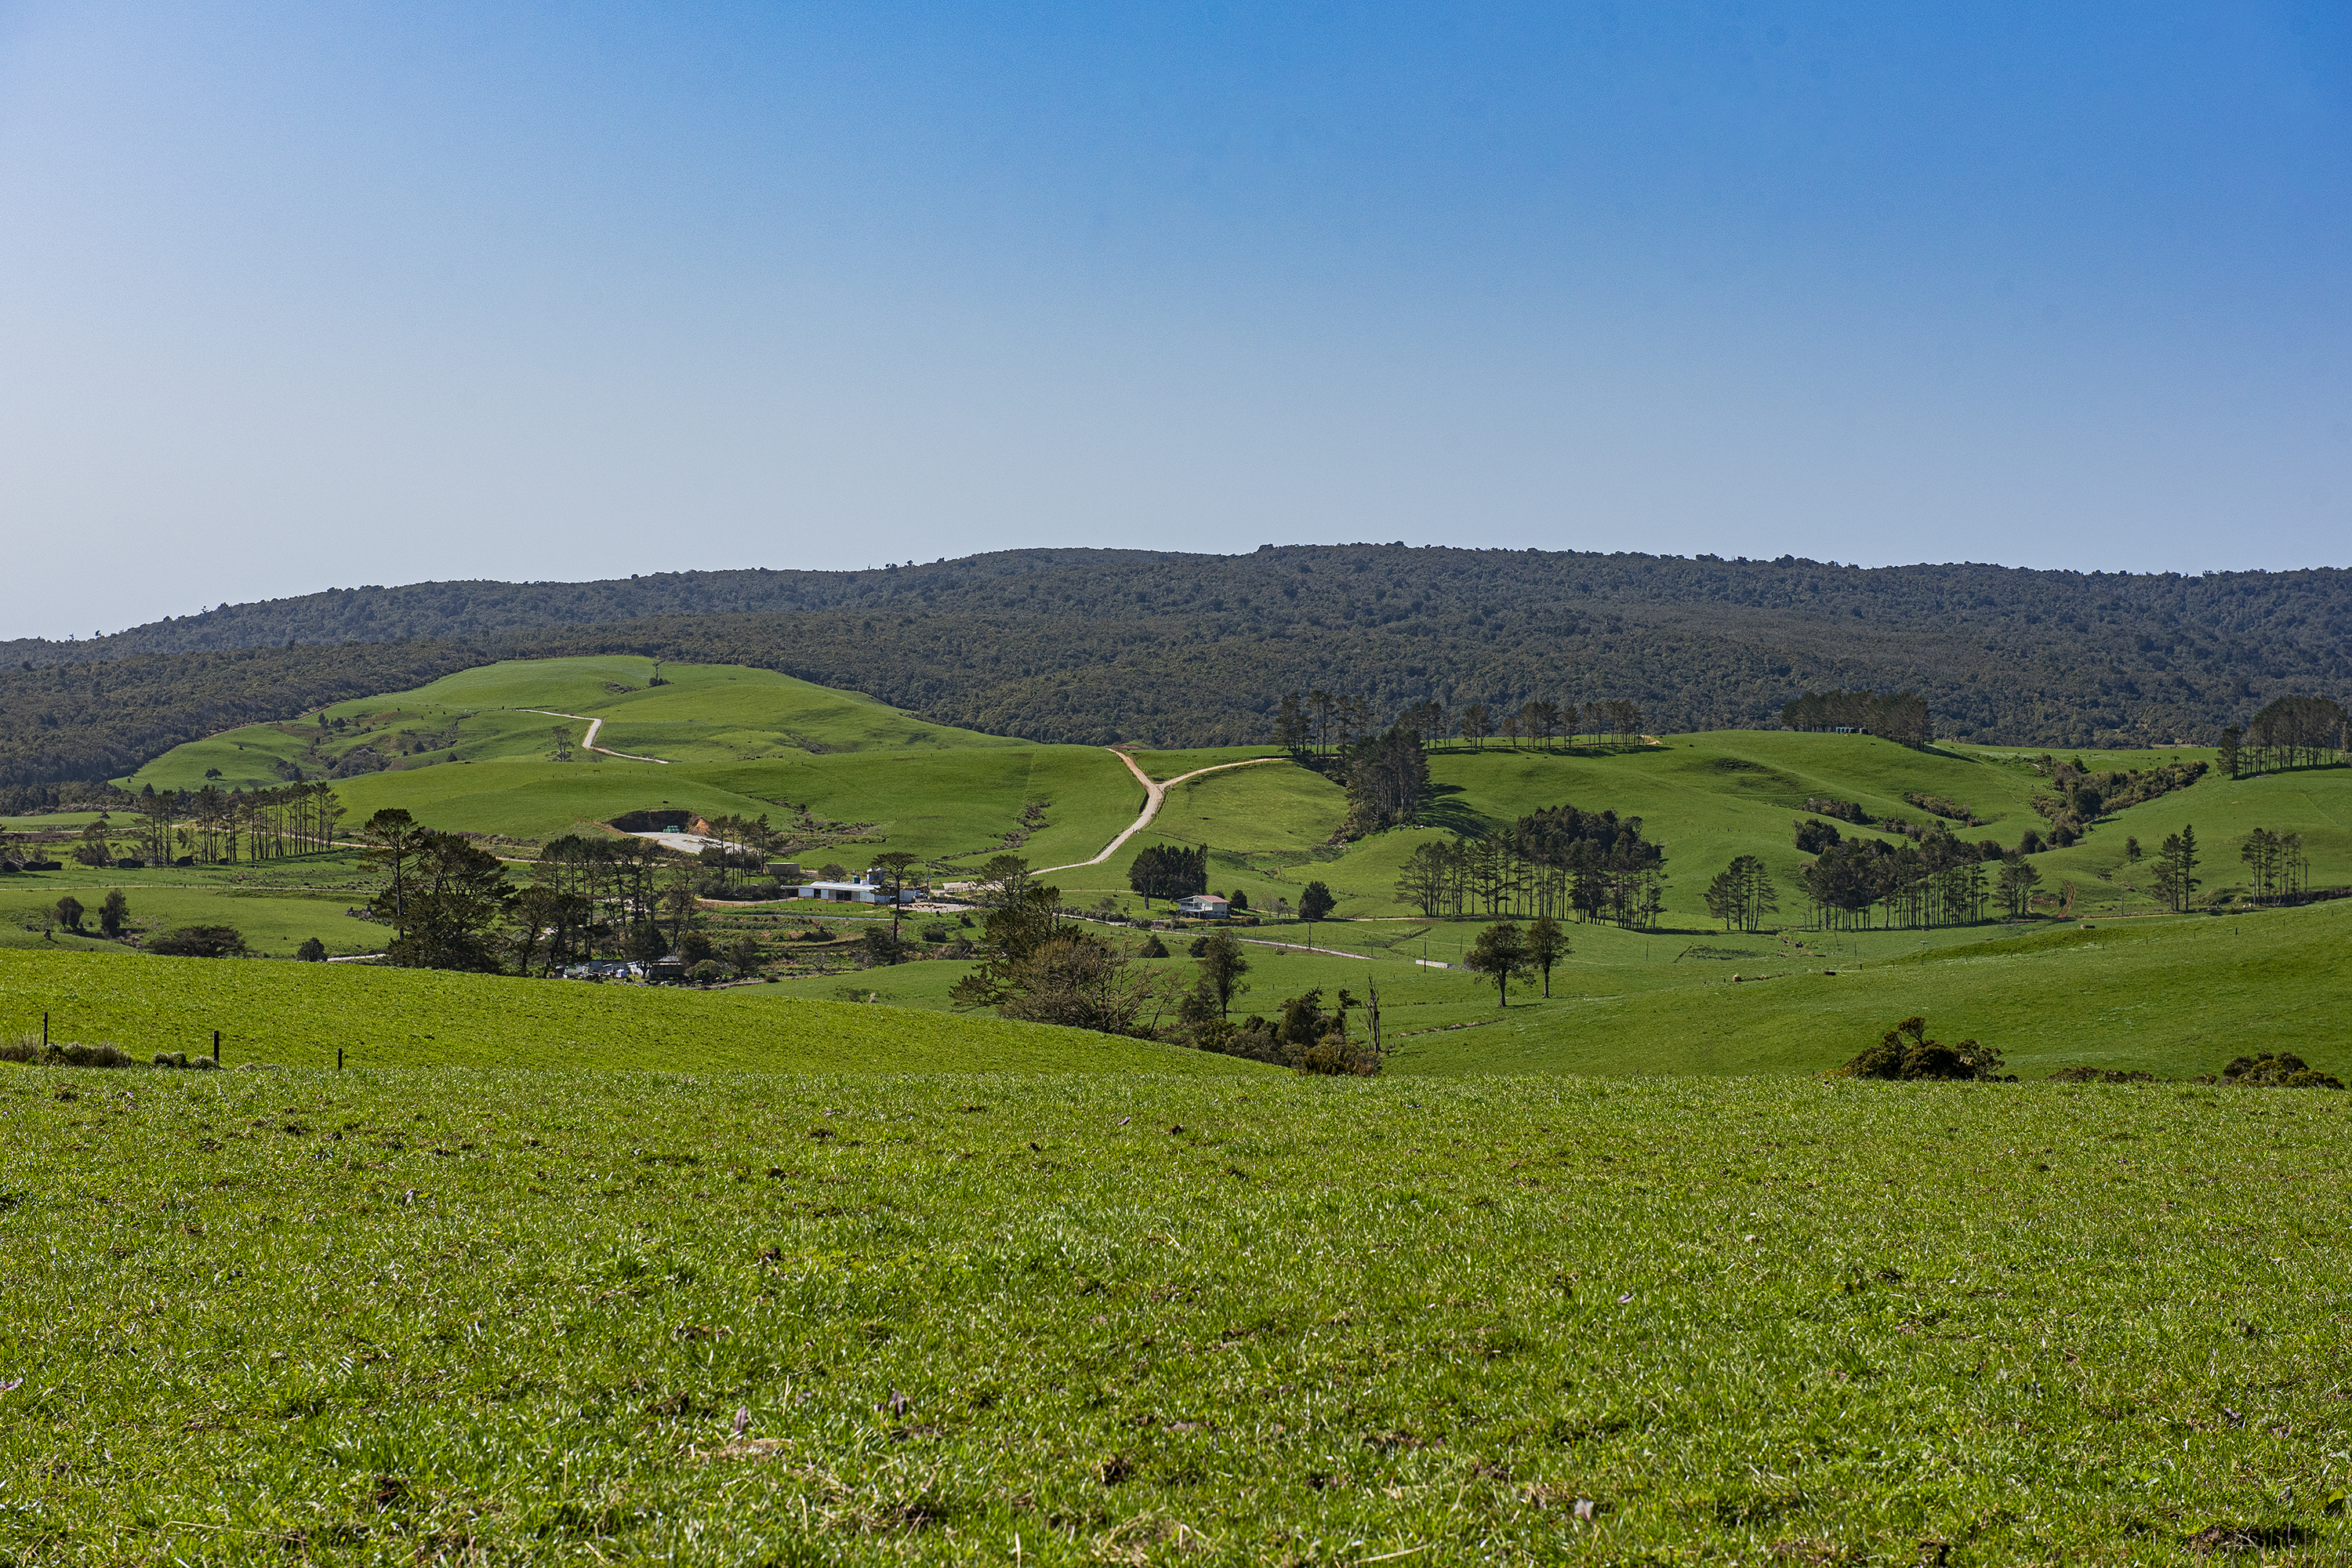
(1204, 907)
(868, 887)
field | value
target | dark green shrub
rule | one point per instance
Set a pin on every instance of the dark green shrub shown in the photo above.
(2095, 1075)
(69, 1054)
(201, 941)
(2280, 1069)
(312, 951)
(1906, 1052)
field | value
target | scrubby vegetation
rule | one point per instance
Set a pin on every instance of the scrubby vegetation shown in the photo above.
(1906, 1052)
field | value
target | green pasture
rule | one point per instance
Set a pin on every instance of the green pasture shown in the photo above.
(2176, 996)
(702, 713)
(1710, 797)
(297, 1015)
(933, 803)
(274, 920)
(704, 1317)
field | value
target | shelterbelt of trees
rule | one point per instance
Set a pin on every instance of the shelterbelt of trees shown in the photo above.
(1187, 650)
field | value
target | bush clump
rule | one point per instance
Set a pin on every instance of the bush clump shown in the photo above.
(2096, 1075)
(201, 941)
(1906, 1052)
(199, 1063)
(2278, 1070)
(65, 1054)
(1303, 1037)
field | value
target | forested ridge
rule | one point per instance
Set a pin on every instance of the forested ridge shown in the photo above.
(1101, 646)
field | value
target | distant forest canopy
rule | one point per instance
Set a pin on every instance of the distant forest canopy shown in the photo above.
(1096, 646)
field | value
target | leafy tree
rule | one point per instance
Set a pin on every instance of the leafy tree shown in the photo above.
(1006, 879)
(1314, 904)
(114, 913)
(1501, 950)
(1475, 724)
(201, 941)
(92, 850)
(1547, 945)
(1080, 981)
(393, 838)
(446, 901)
(893, 864)
(2175, 865)
(1013, 933)
(312, 951)
(1388, 780)
(1906, 1052)
(743, 955)
(1742, 894)
(1169, 871)
(1814, 835)
(69, 913)
(2018, 877)
(2232, 750)
(1223, 962)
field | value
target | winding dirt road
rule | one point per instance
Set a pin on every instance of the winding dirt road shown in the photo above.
(590, 744)
(1154, 793)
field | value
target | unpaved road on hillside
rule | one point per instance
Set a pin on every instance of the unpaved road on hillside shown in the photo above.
(590, 744)
(1154, 793)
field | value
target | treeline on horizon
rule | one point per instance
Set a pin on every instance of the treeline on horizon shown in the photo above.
(1097, 646)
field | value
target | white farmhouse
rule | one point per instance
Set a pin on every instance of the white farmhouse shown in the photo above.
(868, 887)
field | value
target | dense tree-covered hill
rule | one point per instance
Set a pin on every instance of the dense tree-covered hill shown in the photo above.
(1072, 644)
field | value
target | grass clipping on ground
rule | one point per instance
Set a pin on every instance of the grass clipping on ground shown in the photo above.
(751, 1318)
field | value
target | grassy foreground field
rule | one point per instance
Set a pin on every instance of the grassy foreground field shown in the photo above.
(297, 1015)
(718, 1318)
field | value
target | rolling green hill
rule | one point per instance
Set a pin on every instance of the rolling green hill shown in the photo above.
(699, 714)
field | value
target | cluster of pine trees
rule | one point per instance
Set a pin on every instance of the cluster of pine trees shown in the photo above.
(1549, 865)
(2292, 732)
(1939, 880)
(1899, 716)
(1322, 723)
(1169, 871)
(2278, 870)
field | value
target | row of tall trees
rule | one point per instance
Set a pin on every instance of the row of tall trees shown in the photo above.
(218, 826)
(2276, 866)
(1549, 865)
(1742, 894)
(1899, 716)
(2291, 732)
(1323, 724)
(1939, 880)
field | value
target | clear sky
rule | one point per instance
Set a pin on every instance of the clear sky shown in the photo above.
(297, 296)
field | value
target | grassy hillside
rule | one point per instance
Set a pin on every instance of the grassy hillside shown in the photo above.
(296, 1015)
(931, 802)
(755, 1320)
(2173, 997)
(275, 922)
(700, 714)
(1720, 794)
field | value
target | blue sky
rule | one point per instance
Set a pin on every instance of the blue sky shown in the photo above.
(299, 296)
